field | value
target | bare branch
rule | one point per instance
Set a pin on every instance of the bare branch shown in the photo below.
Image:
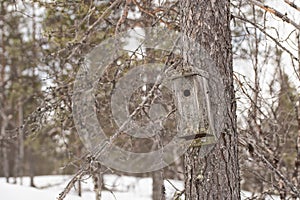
(269, 36)
(71, 183)
(124, 16)
(284, 17)
(292, 4)
(244, 143)
(76, 45)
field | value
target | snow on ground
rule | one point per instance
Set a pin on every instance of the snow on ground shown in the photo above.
(48, 188)
(122, 188)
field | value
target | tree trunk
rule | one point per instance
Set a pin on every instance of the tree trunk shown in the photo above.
(4, 149)
(19, 147)
(3, 116)
(31, 166)
(216, 175)
(21, 142)
(158, 189)
(16, 162)
(98, 184)
(79, 188)
(97, 175)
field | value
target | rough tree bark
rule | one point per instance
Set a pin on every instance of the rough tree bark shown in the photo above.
(216, 175)
(4, 118)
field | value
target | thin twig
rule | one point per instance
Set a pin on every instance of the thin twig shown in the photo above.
(292, 4)
(271, 167)
(108, 143)
(274, 40)
(172, 185)
(152, 13)
(123, 17)
(268, 35)
(241, 86)
(269, 9)
(71, 183)
(76, 45)
(143, 9)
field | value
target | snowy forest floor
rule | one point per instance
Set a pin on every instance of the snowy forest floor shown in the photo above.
(121, 188)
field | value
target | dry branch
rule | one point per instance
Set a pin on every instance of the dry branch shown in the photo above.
(124, 16)
(268, 35)
(71, 183)
(292, 4)
(96, 154)
(262, 158)
(77, 44)
(284, 17)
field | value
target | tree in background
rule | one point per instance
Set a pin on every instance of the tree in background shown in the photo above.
(267, 101)
(20, 85)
